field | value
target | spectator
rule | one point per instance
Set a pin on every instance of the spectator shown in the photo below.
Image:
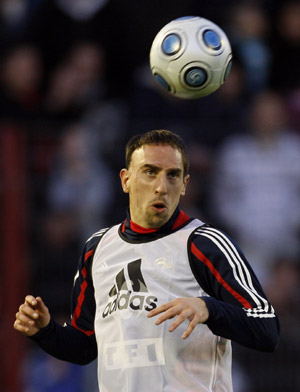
(56, 25)
(20, 83)
(248, 32)
(55, 250)
(77, 83)
(80, 182)
(14, 16)
(285, 70)
(256, 191)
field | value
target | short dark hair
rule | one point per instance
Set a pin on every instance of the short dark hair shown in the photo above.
(158, 137)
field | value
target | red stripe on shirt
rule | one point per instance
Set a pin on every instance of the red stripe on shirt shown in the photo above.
(81, 297)
(88, 254)
(219, 278)
(123, 226)
(88, 333)
(180, 220)
(80, 300)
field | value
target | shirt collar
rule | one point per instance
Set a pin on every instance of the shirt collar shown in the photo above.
(134, 232)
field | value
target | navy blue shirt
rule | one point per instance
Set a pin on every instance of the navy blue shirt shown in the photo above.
(238, 308)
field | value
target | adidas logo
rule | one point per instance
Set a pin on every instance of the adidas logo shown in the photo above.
(130, 291)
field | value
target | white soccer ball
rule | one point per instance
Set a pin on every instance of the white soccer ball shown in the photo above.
(191, 57)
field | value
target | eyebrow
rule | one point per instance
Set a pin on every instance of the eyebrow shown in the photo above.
(158, 168)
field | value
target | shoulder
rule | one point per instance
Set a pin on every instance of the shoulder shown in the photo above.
(212, 241)
(210, 232)
(94, 239)
(89, 249)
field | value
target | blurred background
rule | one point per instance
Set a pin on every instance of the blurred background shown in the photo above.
(75, 84)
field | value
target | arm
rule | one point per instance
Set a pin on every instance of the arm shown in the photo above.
(66, 343)
(76, 342)
(33, 320)
(238, 308)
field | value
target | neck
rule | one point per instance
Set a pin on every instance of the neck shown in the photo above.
(132, 229)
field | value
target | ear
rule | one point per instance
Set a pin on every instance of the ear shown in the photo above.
(124, 176)
(185, 182)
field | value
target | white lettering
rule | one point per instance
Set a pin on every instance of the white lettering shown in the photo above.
(134, 353)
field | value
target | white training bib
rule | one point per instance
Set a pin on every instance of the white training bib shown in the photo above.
(134, 354)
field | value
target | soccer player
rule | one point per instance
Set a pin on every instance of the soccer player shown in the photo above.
(159, 297)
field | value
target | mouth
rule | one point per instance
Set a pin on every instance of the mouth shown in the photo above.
(159, 206)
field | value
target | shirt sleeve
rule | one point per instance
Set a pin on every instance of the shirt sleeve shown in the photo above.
(66, 343)
(75, 341)
(83, 301)
(238, 307)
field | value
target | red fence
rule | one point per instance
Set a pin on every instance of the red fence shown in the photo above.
(14, 252)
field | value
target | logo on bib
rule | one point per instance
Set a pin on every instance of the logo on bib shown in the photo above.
(164, 263)
(130, 291)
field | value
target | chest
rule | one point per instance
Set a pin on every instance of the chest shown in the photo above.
(137, 277)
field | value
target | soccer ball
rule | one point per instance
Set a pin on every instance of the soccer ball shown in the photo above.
(190, 57)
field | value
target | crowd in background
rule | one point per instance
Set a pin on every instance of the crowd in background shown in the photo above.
(75, 80)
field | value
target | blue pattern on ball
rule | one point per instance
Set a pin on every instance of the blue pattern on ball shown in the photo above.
(212, 39)
(171, 44)
(162, 82)
(195, 77)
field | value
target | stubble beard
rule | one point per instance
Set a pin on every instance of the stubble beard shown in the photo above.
(155, 220)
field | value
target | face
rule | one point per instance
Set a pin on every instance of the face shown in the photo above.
(154, 182)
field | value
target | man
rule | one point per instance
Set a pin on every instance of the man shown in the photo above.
(257, 178)
(158, 262)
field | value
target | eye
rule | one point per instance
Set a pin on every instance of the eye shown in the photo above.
(173, 175)
(150, 172)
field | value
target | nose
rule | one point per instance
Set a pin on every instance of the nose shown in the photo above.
(161, 185)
